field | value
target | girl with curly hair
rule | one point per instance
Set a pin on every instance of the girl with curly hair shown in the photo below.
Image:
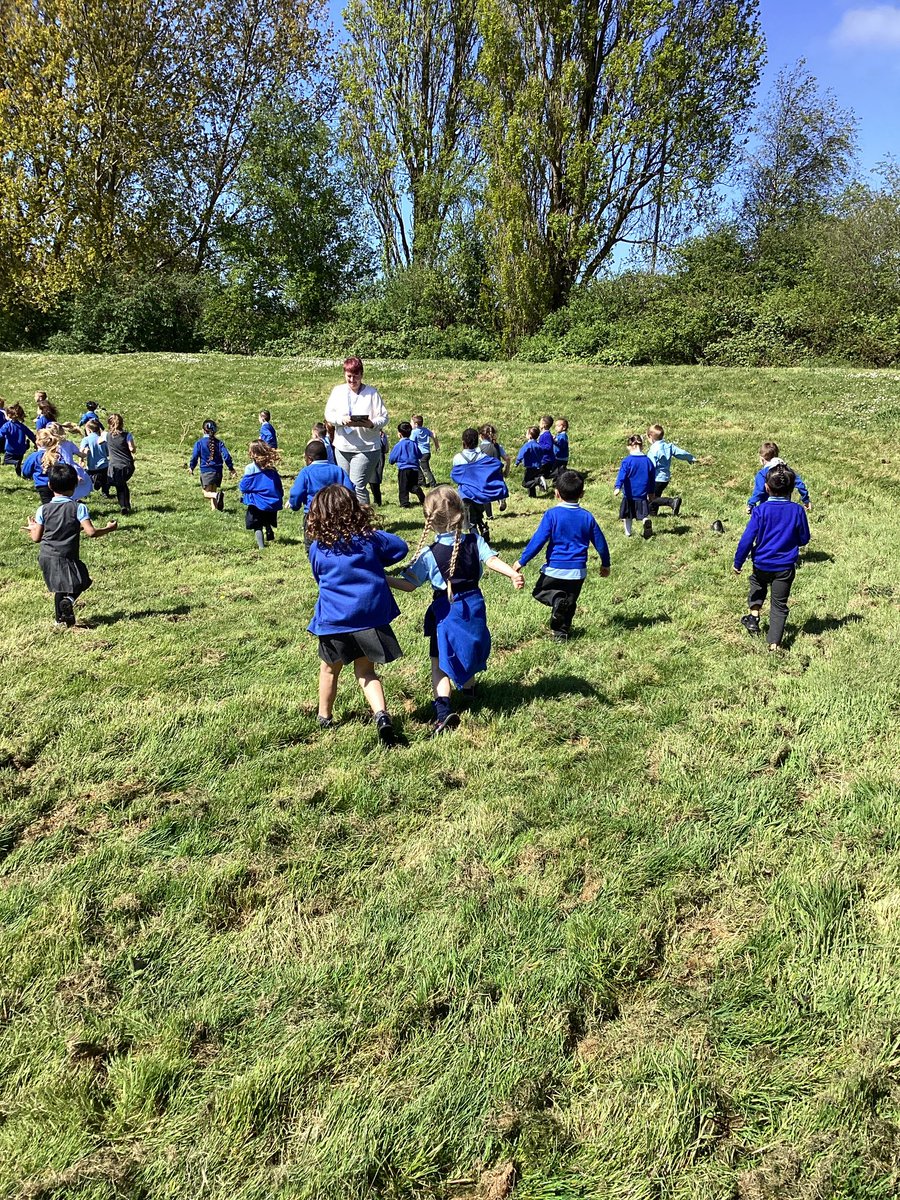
(353, 614)
(262, 491)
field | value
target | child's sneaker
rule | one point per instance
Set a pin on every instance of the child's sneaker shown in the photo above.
(325, 722)
(385, 727)
(67, 611)
(751, 624)
(676, 506)
(647, 530)
(560, 635)
(220, 500)
(443, 724)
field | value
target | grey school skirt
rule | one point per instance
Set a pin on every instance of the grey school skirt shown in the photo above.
(377, 645)
(67, 575)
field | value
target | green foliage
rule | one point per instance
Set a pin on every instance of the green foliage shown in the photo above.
(124, 315)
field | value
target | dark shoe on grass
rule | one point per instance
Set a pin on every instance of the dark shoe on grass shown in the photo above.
(560, 635)
(67, 611)
(751, 624)
(325, 722)
(385, 728)
(444, 724)
(647, 530)
(676, 506)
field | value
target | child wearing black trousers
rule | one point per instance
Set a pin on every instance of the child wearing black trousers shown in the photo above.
(353, 614)
(58, 526)
(568, 531)
(120, 449)
(406, 456)
(262, 492)
(773, 537)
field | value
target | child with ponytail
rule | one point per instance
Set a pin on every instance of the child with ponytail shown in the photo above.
(353, 614)
(262, 491)
(120, 449)
(456, 621)
(211, 455)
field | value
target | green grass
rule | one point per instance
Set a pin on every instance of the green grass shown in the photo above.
(632, 929)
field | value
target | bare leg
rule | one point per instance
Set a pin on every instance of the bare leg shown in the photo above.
(440, 682)
(368, 680)
(328, 682)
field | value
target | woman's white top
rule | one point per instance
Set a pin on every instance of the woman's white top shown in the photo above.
(366, 402)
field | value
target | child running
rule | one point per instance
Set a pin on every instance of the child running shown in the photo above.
(90, 414)
(548, 449)
(15, 435)
(406, 456)
(768, 458)
(262, 492)
(318, 473)
(211, 455)
(423, 437)
(120, 448)
(561, 444)
(267, 432)
(456, 621)
(57, 449)
(773, 537)
(58, 526)
(46, 412)
(661, 454)
(320, 432)
(568, 530)
(353, 613)
(636, 481)
(93, 445)
(491, 446)
(33, 466)
(479, 478)
(531, 456)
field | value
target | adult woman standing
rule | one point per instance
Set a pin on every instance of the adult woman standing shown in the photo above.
(358, 415)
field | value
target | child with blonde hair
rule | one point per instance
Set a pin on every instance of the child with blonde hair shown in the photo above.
(456, 620)
(262, 491)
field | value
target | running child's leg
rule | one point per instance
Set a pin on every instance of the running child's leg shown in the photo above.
(756, 598)
(627, 523)
(780, 590)
(444, 717)
(328, 683)
(367, 677)
(260, 539)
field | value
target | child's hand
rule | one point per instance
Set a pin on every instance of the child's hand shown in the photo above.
(616, 491)
(737, 570)
(517, 566)
(808, 507)
(518, 581)
(604, 572)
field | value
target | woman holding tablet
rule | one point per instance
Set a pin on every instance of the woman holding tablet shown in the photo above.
(358, 415)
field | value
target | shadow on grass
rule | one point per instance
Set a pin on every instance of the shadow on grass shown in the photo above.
(816, 625)
(159, 508)
(812, 556)
(639, 622)
(144, 614)
(508, 697)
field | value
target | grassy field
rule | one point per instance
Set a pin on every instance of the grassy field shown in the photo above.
(632, 931)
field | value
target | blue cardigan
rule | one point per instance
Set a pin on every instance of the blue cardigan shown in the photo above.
(353, 591)
(774, 534)
(262, 488)
(636, 477)
(570, 530)
(480, 480)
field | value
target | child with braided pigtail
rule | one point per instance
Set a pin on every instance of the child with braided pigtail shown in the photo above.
(456, 621)
(211, 455)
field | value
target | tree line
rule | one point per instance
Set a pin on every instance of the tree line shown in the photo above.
(452, 177)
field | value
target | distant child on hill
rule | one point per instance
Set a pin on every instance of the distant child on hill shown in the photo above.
(768, 458)
(568, 530)
(33, 466)
(320, 432)
(58, 526)
(212, 456)
(561, 444)
(405, 456)
(93, 444)
(456, 620)
(262, 491)
(46, 412)
(423, 437)
(353, 613)
(548, 448)
(491, 446)
(661, 454)
(479, 478)
(16, 435)
(90, 414)
(318, 473)
(636, 481)
(531, 456)
(120, 448)
(267, 432)
(773, 537)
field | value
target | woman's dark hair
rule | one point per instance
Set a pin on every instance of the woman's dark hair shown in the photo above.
(48, 409)
(62, 479)
(336, 516)
(780, 480)
(470, 439)
(570, 486)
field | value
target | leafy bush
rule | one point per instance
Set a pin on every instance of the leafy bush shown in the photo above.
(126, 315)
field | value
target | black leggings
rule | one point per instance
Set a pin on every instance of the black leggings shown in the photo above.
(118, 479)
(778, 585)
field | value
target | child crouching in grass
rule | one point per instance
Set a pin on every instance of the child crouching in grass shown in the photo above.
(58, 526)
(262, 491)
(353, 613)
(773, 537)
(456, 620)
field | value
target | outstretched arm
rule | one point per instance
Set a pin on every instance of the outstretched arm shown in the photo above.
(497, 564)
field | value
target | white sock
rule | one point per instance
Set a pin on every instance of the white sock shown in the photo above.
(627, 523)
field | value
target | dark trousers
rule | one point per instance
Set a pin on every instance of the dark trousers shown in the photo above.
(45, 494)
(10, 460)
(778, 585)
(476, 516)
(118, 479)
(561, 597)
(530, 480)
(408, 481)
(426, 475)
(657, 499)
(100, 480)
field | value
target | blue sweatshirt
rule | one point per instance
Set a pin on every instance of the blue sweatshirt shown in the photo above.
(567, 530)
(405, 455)
(636, 477)
(661, 454)
(33, 470)
(480, 479)
(210, 462)
(262, 488)
(17, 436)
(561, 447)
(312, 479)
(760, 495)
(353, 591)
(267, 434)
(774, 535)
(530, 456)
(548, 453)
(89, 415)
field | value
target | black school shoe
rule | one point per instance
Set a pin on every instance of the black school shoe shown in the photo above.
(751, 624)
(220, 500)
(67, 611)
(443, 724)
(385, 728)
(647, 530)
(676, 506)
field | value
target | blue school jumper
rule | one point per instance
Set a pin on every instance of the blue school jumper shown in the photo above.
(457, 629)
(760, 495)
(636, 477)
(17, 436)
(405, 455)
(208, 461)
(353, 592)
(479, 479)
(33, 470)
(530, 456)
(568, 530)
(774, 534)
(268, 435)
(261, 488)
(89, 415)
(423, 438)
(545, 442)
(561, 448)
(312, 479)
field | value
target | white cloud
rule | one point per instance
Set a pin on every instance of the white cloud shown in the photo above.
(877, 27)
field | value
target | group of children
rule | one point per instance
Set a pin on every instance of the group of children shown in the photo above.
(349, 555)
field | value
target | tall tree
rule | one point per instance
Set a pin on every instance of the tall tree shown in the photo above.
(803, 150)
(596, 112)
(408, 120)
